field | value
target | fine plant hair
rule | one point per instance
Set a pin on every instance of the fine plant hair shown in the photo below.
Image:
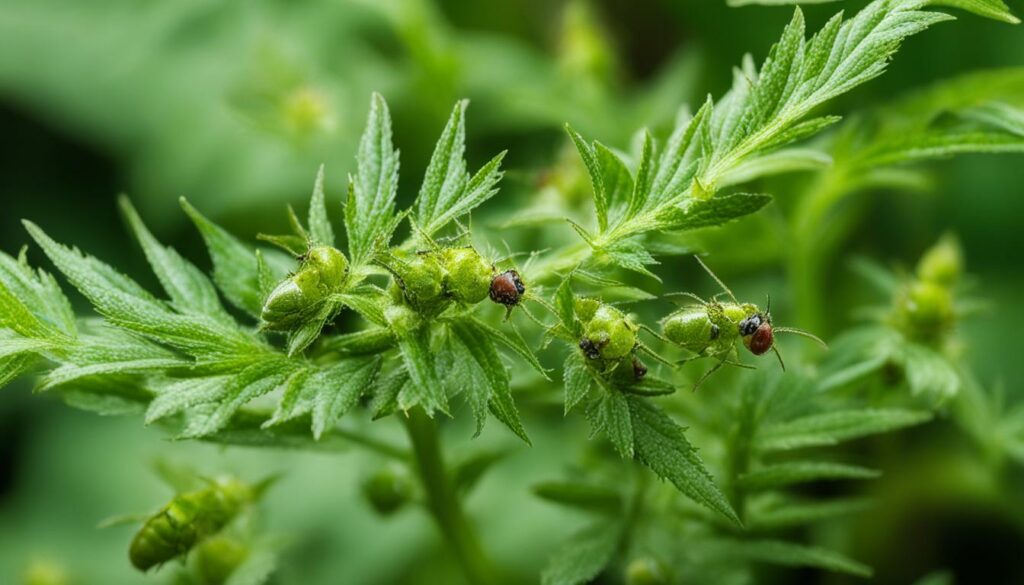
(202, 360)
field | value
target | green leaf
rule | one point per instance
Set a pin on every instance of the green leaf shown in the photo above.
(701, 213)
(38, 292)
(478, 344)
(448, 192)
(565, 308)
(994, 9)
(385, 393)
(111, 353)
(999, 115)
(188, 288)
(14, 366)
(577, 380)
(929, 372)
(370, 207)
(934, 144)
(320, 230)
(792, 472)
(107, 395)
(645, 174)
(617, 182)
(779, 162)
(801, 513)
(593, 166)
(795, 555)
(14, 315)
(446, 175)
(234, 263)
(830, 428)
(425, 387)
(775, 2)
(584, 557)
(612, 414)
(209, 403)
(337, 389)
(678, 162)
(296, 399)
(631, 255)
(127, 305)
(660, 444)
(580, 495)
(514, 342)
(11, 345)
(800, 75)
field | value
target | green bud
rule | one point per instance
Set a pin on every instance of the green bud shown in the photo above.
(387, 490)
(925, 311)
(44, 572)
(585, 308)
(943, 263)
(218, 557)
(467, 275)
(330, 263)
(645, 571)
(401, 318)
(419, 277)
(609, 334)
(323, 271)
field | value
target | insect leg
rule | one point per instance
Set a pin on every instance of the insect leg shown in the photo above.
(708, 373)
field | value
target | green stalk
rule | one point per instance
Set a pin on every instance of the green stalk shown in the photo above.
(443, 501)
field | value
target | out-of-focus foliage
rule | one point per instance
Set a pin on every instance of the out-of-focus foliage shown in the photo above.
(902, 432)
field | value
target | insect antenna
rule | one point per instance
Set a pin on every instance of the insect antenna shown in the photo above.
(801, 333)
(685, 294)
(779, 355)
(654, 333)
(718, 280)
(531, 316)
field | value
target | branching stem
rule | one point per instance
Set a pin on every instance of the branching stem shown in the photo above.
(443, 501)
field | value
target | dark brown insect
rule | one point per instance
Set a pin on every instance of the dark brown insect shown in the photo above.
(507, 288)
(757, 334)
(639, 369)
(590, 349)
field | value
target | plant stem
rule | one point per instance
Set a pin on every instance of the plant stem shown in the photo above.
(443, 501)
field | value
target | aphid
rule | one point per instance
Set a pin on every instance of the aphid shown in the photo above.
(639, 369)
(507, 288)
(189, 518)
(323, 271)
(712, 328)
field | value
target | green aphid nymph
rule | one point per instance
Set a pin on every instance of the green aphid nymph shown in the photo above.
(712, 328)
(186, 520)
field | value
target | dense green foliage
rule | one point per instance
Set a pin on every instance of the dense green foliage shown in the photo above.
(416, 313)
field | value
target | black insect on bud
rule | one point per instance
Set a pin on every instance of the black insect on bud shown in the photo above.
(507, 288)
(590, 349)
(639, 369)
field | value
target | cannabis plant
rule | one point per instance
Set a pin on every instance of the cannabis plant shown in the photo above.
(419, 317)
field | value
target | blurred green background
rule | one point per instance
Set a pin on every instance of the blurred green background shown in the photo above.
(234, 104)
